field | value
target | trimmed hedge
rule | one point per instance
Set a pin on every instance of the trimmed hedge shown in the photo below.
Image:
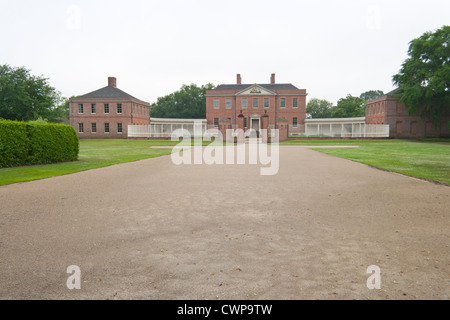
(24, 143)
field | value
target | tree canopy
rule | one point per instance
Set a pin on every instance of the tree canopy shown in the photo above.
(349, 107)
(188, 103)
(424, 77)
(25, 97)
(371, 95)
(319, 108)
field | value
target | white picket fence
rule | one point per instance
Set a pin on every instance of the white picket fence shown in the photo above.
(347, 130)
(163, 128)
(339, 128)
(335, 128)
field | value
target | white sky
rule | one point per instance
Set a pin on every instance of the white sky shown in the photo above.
(329, 48)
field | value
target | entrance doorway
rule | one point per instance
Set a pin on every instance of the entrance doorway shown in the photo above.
(255, 126)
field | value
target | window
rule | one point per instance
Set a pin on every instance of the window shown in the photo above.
(295, 122)
(295, 103)
(119, 127)
(93, 127)
(119, 108)
(245, 122)
(216, 122)
(255, 103)
(283, 102)
(216, 103)
(106, 108)
(266, 102)
(80, 128)
(80, 108)
(93, 108)
(228, 103)
(244, 103)
(106, 127)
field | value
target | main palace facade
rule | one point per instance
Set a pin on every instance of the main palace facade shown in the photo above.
(282, 102)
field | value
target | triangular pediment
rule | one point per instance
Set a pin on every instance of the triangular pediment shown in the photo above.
(255, 89)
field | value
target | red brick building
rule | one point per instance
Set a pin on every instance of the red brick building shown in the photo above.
(388, 110)
(281, 102)
(107, 112)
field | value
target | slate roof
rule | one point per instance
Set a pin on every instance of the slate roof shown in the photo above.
(108, 92)
(391, 93)
(271, 86)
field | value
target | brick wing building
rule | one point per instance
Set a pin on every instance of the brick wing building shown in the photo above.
(388, 110)
(281, 102)
(107, 112)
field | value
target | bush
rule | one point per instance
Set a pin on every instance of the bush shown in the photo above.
(13, 143)
(33, 143)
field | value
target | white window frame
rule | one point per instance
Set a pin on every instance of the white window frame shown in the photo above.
(228, 106)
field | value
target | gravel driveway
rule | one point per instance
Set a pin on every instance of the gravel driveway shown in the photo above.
(154, 230)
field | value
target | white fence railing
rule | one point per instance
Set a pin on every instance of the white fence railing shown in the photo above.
(340, 130)
(165, 130)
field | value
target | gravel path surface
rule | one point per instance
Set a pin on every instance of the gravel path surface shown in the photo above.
(154, 230)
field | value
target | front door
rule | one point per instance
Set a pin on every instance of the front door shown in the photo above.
(255, 126)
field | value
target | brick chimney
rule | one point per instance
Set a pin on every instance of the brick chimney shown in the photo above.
(272, 78)
(112, 82)
(238, 79)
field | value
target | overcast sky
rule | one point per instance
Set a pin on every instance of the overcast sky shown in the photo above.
(330, 48)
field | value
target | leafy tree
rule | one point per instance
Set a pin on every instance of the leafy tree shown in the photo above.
(349, 107)
(60, 114)
(26, 97)
(188, 103)
(371, 95)
(424, 77)
(319, 108)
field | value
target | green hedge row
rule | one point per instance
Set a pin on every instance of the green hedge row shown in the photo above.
(24, 143)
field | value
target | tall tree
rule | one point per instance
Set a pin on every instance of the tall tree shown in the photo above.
(371, 95)
(60, 114)
(25, 97)
(188, 103)
(319, 108)
(349, 107)
(424, 77)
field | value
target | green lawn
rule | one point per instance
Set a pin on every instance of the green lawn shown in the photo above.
(427, 158)
(93, 154)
